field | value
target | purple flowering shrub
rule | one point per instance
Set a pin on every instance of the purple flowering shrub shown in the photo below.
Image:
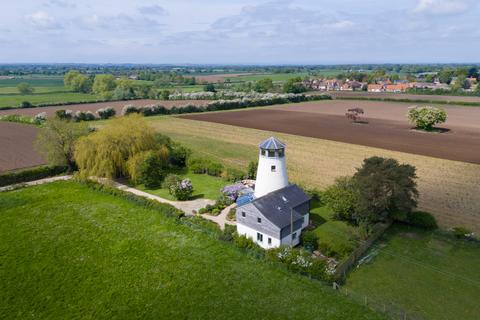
(182, 190)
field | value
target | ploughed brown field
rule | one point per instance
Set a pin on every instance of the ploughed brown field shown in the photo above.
(16, 146)
(93, 107)
(387, 126)
(391, 95)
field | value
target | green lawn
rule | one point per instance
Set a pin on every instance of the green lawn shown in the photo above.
(425, 273)
(338, 235)
(204, 186)
(67, 252)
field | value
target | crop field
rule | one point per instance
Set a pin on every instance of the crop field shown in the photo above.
(387, 127)
(273, 76)
(70, 252)
(17, 146)
(449, 189)
(93, 107)
(387, 95)
(425, 273)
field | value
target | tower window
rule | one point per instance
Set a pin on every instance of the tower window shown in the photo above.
(259, 220)
(259, 237)
(281, 153)
(263, 152)
(274, 168)
(271, 153)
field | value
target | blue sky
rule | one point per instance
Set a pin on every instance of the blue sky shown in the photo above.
(231, 31)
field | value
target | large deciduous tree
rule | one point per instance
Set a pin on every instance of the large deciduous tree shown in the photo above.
(56, 141)
(103, 85)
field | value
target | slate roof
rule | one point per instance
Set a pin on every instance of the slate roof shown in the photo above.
(277, 205)
(272, 143)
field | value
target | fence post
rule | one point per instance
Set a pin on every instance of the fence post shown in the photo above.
(366, 300)
(404, 315)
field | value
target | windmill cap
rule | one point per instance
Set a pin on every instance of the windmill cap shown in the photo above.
(272, 143)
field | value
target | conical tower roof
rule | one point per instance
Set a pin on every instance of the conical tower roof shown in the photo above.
(272, 143)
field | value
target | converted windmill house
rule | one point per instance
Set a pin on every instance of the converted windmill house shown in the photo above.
(278, 211)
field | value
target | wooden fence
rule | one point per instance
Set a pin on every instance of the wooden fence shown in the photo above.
(345, 266)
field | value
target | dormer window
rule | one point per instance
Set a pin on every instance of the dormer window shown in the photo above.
(259, 220)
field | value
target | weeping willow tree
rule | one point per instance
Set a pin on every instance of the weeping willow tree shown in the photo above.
(105, 153)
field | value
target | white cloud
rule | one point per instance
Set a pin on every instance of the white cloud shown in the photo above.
(42, 20)
(443, 7)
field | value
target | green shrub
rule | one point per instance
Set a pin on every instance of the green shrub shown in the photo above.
(462, 233)
(26, 104)
(20, 119)
(154, 167)
(215, 211)
(309, 239)
(342, 198)
(214, 169)
(422, 219)
(202, 211)
(244, 242)
(232, 214)
(179, 155)
(228, 232)
(197, 165)
(170, 180)
(233, 174)
(30, 174)
(252, 170)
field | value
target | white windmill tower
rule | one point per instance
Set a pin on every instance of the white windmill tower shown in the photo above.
(272, 169)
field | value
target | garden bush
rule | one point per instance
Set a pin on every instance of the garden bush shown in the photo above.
(170, 180)
(183, 190)
(228, 233)
(214, 169)
(30, 174)
(198, 165)
(106, 113)
(421, 219)
(252, 170)
(153, 168)
(309, 239)
(463, 233)
(426, 117)
(233, 174)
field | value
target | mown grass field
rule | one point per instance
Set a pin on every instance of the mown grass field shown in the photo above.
(67, 252)
(449, 189)
(427, 274)
(204, 186)
(14, 100)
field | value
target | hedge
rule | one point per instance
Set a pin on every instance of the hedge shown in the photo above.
(27, 175)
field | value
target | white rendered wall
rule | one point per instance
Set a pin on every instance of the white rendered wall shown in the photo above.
(252, 234)
(268, 181)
